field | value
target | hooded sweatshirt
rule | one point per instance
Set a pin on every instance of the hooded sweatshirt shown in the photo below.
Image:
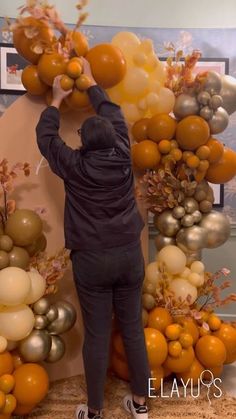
(100, 207)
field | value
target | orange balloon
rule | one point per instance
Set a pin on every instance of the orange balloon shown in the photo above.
(192, 132)
(50, 66)
(80, 43)
(190, 326)
(78, 100)
(193, 373)
(227, 334)
(7, 416)
(158, 375)
(159, 318)
(161, 127)
(210, 351)
(6, 363)
(146, 154)
(224, 170)
(157, 348)
(10, 404)
(66, 82)
(31, 81)
(17, 359)
(216, 371)
(120, 367)
(7, 383)
(23, 44)
(83, 82)
(182, 363)
(23, 409)
(216, 150)
(107, 63)
(74, 69)
(139, 129)
(118, 346)
(31, 384)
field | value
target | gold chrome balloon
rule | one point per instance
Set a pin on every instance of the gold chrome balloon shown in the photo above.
(41, 306)
(217, 227)
(167, 224)
(36, 346)
(185, 105)
(65, 320)
(162, 241)
(192, 239)
(57, 349)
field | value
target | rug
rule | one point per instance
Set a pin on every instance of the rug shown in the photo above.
(64, 395)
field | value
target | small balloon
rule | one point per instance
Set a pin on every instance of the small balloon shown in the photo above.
(41, 306)
(187, 220)
(190, 205)
(185, 105)
(52, 314)
(192, 239)
(178, 212)
(197, 216)
(57, 349)
(38, 287)
(219, 121)
(65, 320)
(215, 102)
(204, 98)
(36, 346)
(166, 223)
(6, 243)
(212, 83)
(41, 322)
(162, 241)
(206, 112)
(4, 259)
(3, 344)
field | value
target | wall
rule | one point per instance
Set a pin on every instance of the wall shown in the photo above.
(148, 13)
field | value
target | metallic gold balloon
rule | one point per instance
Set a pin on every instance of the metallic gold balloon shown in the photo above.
(215, 102)
(206, 112)
(219, 121)
(4, 259)
(36, 346)
(185, 105)
(166, 223)
(24, 227)
(41, 322)
(192, 239)
(217, 227)
(205, 206)
(212, 83)
(19, 257)
(187, 220)
(197, 216)
(65, 320)
(162, 241)
(192, 257)
(52, 314)
(37, 246)
(57, 349)
(190, 205)
(178, 212)
(6, 243)
(204, 98)
(41, 306)
(228, 93)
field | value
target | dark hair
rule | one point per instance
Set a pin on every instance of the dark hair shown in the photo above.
(97, 133)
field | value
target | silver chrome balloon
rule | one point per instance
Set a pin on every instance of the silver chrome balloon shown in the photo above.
(52, 314)
(178, 212)
(203, 98)
(217, 227)
(187, 220)
(185, 105)
(41, 322)
(167, 224)
(65, 320)
(41, 306)
(197, 216)
(228, 93)
(162, 241)
(36, 346)
(206, 113)
(219, 121)
(190, 205)
(192, 239)
(215, 102)
(212, 83)
(57, 349)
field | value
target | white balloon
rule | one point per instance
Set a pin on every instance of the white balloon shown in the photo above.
(3, 344)
(38, 287)
(16, 322)
(197, 267)
(14, 286)
(182, 288)
(173, 259)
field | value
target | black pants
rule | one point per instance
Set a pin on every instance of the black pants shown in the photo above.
(106, 280)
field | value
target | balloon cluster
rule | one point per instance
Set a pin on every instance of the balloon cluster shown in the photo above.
(44, 342)
(142, 92)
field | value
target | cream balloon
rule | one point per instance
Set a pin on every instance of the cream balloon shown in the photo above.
(152, 272)
(135, 82)
(196, 279)
(3, 344)
(183, 290)
(16, 322)
(166, 101)
(173, 258)
(131, 112)
(197, 267)
(38, 287)
(185, 273)
(128, 42)
(14, 286)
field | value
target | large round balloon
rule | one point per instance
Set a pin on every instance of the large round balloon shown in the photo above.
(219, 121)
(192, 239)
(227, 334)
(128, 42)
(135, 83)
(107, 63)
(24, 226)
(38, 287)
(193, 373)
(31, 81)
(57, 350)
(36, 346)
(161, 127)
(217, 227)
(185, 105)
(167, 224)
(157, 348)
(183, 290)
(159, 318)
(146, 155)
(16, 322)
(139, 129)
(31, 384)
(224, 170)
(216, 150)
(192, 132)
(181, 363)
(14, 286)
(210, 351)
(173, 259)
(50, 66)
(65, 320)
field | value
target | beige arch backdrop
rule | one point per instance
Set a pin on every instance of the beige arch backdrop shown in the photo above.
(44, 189)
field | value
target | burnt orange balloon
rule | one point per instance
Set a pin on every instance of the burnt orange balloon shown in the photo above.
(50, 66)
(6, 363)
(156, 345)
(118, 346)
(182, 363)
(17, 359)
(158, 375)
(78, 100)
(224, 170)
(210, 351)
(31, 81)
(216, 371)
(80, 43)
(161, 127)
(192, 132)
(107, 63)
(216, 150)
(24, 45)
(31, 384)
(227, 334)
(139, 129)
(190, 326)
(193, 373)
(159, 318)
(120, 367)
(146, 155)
(23, 409)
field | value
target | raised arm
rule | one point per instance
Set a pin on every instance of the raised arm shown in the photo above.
(59, 156)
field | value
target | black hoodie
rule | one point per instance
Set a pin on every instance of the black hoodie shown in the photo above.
(100, 207)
